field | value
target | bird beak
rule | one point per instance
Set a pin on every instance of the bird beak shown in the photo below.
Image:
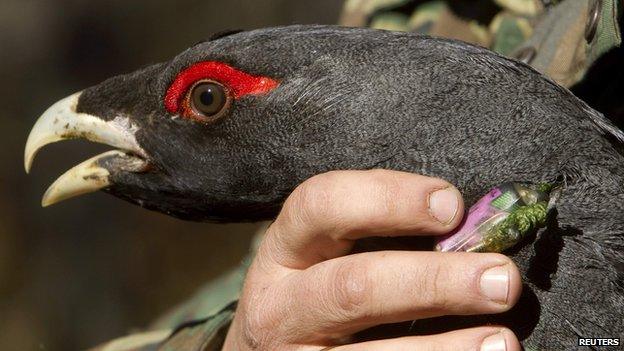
(60, 122)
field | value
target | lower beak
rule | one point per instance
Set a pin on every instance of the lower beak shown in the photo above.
(89, 176)
(62, 121)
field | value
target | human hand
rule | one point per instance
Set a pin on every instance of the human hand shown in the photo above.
(305, 291)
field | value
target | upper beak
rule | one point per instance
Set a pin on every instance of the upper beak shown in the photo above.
(61, 121)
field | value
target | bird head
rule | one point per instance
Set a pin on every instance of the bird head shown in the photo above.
(226, 129)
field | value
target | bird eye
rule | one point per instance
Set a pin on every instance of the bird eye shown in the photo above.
(207, 101)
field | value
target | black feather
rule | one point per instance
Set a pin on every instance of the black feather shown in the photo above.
(359, 99)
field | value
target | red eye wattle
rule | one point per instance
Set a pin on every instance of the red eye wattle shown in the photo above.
(236, 83)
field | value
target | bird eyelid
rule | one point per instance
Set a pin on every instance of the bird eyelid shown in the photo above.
(237, 82)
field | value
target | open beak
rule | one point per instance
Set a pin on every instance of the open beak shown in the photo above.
(60, 122)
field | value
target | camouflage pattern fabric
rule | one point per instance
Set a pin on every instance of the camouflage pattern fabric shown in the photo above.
(203, 334)
(558, 38)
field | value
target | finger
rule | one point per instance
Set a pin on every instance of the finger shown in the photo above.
(324, 215)
(483, 339)
(352, 293)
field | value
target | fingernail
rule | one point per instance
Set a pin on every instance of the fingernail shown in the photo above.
(494, 342)
(495, 284)
(443, 205)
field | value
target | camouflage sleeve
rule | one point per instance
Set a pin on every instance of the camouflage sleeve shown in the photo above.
(208, 301)
(570, 37)
(146, 341)
(206, 334)
(560, 38)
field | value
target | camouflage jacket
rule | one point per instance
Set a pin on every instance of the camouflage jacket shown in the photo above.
(560, 38)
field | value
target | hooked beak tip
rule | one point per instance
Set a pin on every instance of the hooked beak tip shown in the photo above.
(28, 160)
(53, 125)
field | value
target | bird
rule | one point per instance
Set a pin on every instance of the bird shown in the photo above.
(224, 131)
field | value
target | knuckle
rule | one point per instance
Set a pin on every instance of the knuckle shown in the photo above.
(350, 288)
(434, 292)
(311, 200)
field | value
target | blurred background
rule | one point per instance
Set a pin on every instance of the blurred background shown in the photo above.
(94, 268)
